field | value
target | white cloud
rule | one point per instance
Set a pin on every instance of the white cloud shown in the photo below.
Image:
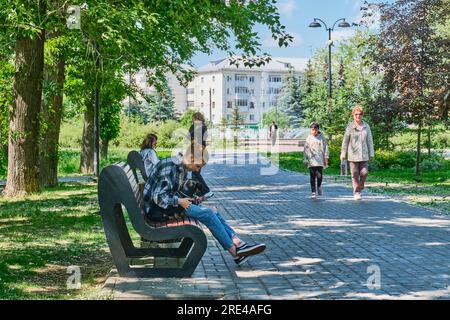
(269, 42)
(287, 8)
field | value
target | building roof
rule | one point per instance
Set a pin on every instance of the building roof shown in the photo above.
(277, 64)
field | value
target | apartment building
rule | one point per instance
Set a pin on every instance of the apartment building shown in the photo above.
(220, 86)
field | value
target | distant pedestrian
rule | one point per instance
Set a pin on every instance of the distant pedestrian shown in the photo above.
(357, 147)
(198, 133)
(315, 158)
(148, 152)
(273, 131)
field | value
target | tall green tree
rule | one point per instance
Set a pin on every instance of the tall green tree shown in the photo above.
(409, 47)
(290, 99)
(161, 105)
(159, 35)
(51, 109)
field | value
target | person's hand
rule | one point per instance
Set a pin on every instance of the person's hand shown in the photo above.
(342, 158)
(305, 164)
(326, 162)
(184, 202)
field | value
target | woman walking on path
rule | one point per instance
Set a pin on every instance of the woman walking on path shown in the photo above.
(315, 158)
(357, 147)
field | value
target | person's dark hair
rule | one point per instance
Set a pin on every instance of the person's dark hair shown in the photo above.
(148, 141)
(198, 116)
(314, 125)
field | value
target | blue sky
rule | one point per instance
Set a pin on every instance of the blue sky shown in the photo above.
(296, 16)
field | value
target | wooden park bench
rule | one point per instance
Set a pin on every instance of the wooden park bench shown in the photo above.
(117, 188)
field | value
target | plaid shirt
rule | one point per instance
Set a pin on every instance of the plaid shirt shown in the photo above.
(163, 183)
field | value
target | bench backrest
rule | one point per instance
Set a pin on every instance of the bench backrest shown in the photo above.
(134, 159)
(118, 186)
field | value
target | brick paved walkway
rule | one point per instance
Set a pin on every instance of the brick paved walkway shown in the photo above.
(330, 248)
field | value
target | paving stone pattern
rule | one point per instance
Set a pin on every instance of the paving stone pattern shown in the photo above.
(330, 248)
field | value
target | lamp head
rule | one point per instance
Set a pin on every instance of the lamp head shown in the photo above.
(315, 24)
(344, 24)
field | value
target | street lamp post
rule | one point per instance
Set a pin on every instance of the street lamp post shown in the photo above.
(210, 105)
(316, 24)
(97, 116)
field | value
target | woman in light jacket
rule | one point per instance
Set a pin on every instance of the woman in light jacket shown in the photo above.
(357, 147)
(148, 152)
(315, 157)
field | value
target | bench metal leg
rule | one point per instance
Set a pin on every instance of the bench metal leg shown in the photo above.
(192, 247)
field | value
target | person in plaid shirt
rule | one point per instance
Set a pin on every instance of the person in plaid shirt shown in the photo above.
(161, 201)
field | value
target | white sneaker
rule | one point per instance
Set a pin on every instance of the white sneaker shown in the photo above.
(313, 195)
(357, 196)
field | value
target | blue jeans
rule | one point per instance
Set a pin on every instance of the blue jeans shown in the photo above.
(215, 223)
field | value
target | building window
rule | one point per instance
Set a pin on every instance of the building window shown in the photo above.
(229, 78)
(252, 117)
(252, 79)
(241, 102)
(252, 105)
(214, 104)
(252, 91)
(275, 79)
(273, 103)
(190, 91)
(274, 90)
(240, 77)
(229, 104)
(202, 79)
(228, 117)
(243, 90)
(228, 90)
(190, 104)
(213, 91)
(213, 78)
(201, 93)
(263, 104)
(213, 116)
(202, 105)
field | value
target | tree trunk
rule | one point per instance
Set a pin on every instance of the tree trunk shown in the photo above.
(419, 131)
(104, 149)
(429, 140)
(23, 151)
(51, 114)
(87, 145)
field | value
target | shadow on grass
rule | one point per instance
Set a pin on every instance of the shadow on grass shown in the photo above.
(40, 236)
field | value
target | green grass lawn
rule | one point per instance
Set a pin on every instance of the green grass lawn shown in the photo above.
(42, 235)
(433, 190)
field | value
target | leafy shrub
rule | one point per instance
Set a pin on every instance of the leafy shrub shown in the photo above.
(132, 133)
(334, 160)
(68, 161)
(432, 162)
(386, 159)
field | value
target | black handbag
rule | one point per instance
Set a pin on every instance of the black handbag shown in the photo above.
(190, 189)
